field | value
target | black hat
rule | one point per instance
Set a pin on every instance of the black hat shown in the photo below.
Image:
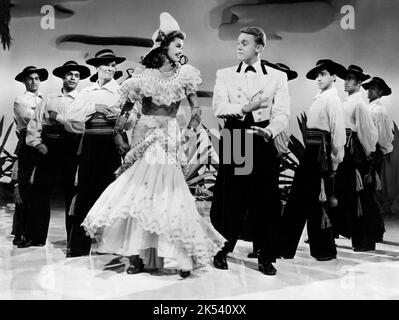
(358, 72)
(386, 91)
(117, 75)
(103, 57)
(43, 73)
(291, 74)
(323, 64)
(71, 66)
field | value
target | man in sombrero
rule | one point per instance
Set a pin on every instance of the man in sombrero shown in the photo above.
(376, 89)
(24, 108)
(312, 191)
(358, 213)
(98, 108)
(57, 144)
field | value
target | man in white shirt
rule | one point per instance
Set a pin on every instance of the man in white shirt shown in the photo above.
(376, 89)
(313, 185)
(58, 145)
(24, 108)
(99, 157)
(243, 95)
(357, 211)
(281, 143)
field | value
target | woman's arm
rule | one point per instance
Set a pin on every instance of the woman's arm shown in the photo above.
(195, 109)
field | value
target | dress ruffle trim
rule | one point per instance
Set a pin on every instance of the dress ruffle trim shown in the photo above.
(146, 83)
(171, 148)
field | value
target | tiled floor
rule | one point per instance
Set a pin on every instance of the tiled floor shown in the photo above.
(45, 273)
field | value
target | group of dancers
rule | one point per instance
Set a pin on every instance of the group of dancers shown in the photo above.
(132, 197)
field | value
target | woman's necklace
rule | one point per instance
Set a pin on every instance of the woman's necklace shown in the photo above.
(167, 73)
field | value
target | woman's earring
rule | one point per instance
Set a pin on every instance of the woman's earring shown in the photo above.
(183, 59)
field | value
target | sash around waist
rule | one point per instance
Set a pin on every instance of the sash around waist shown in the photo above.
(99, 124)
(316, 136)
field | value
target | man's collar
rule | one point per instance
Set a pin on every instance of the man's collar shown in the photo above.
(111, 86)
(31, 94)
(354, 96)
(376, 101)
(73, 94)
(328, 92)
(259, 68)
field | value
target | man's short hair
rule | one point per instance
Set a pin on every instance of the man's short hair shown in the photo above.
(258, 33)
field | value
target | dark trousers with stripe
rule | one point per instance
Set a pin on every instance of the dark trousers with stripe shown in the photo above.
(304, 205)
(27, 159)
(98, 162)
(59, 164)
(255, 194)
(358, 212)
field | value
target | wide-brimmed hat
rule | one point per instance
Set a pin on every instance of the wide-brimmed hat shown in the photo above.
(386, 91)
(358, 72)
(43, 73)
(71, 66)
(323, 64)
(117, 75)
(103, 57)
(291, 74)
(167, 25)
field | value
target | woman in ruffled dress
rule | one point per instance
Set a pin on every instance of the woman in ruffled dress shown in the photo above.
(148, 213)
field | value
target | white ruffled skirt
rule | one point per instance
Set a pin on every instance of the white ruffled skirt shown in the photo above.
(149, 210)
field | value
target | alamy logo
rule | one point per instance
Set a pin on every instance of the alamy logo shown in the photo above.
(48, 20)
(348, 20)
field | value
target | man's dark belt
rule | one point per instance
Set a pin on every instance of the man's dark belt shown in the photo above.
(322, 139)
(54, 131)
(98, 124)
(317, 137)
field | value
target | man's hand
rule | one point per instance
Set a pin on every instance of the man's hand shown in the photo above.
(121, 146)
(104, 109)
(42, 148)
(260, 132)
(264, 103)
(53, 116)
(17, 195)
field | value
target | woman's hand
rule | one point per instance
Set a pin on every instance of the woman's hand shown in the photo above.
(121, 145)
(196, 113)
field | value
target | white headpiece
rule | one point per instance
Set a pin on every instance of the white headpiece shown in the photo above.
(167, 24)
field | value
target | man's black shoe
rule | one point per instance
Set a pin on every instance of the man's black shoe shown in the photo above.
(24, 244)
(184, 274)
(267, 268)
(72, 254)
(17, 241)
(219, 261)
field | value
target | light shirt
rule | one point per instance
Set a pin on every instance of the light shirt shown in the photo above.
(384, 125)
(359, 119)
(24, 108)
(326, 114)
(84, 106)
(233, 90)
(59, 103)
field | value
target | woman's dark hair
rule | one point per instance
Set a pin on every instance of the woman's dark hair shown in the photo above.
(157, 57)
